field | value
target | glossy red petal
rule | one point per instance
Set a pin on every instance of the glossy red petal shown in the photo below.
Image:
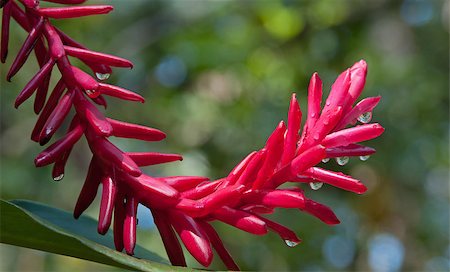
(193, 237)
(55, 43)
(152, 158)
(105, 150)
(26, 49)
(41, 94)
(250, 172)
(109, 189)
(66, 2)
(96, 119)
(48, 109)
(219, 247)
(288, 236)
(365, 105)
(73, 12)
(119, 218)
(86, 82)
(152, 192)
(129, 225)
(183, 183)
(274, 149)
(34, 83)
(314, 100)
(128, 130)
(56, 118)
(56, 150)
(321, 211)
(6, 18)
(89, 190)
(97, 57)
(171, 243)
(336, 179)
(350, 150)
(294, 123)
(358, 73)
(279, 198)
(241, 220)
(237, 171)
(121, 93)
(353, 135)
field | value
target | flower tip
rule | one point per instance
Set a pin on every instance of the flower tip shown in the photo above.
(36, 161)
(44, 140)
(322, 212)
(76, 214)
(3, 57)
(129, 251)
(102, 229)
(109, 8)
(361, 189)
(378, 128)
(363, 64)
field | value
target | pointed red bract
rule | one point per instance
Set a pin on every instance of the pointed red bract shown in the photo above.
(88, 55)
(294, 122)
(72, 12)
(193, 237)
(6, 18)
(171, 243)
(25, 50)
(107, 204)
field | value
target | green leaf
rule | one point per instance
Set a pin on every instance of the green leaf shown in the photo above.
(34, 225)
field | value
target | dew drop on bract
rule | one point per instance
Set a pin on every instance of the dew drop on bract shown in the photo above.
(101, 76)
(90, 92)
(342, 160)
(364, 158)
(365, 117)
(325, 160)
(290, 243)
(315, 185)
(58, 178)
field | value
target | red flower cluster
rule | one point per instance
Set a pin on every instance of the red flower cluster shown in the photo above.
(181, 205)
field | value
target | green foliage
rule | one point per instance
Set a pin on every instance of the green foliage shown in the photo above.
(37, 226)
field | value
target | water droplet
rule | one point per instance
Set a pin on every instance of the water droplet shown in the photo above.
(290, 243)
(315, 185)
(325, 160)
(342, 160)
(316, 137)
(90, 92)
(364, 158)
(313, 115)
(58, 178)
(101, 76)
(365, 117)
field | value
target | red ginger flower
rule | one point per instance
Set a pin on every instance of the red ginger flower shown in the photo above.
(182, 205)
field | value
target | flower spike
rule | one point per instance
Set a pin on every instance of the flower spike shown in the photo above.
(181, 206)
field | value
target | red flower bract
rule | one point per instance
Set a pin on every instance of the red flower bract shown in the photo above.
(182, 205)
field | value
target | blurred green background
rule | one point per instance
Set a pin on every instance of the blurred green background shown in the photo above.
(217, 77)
